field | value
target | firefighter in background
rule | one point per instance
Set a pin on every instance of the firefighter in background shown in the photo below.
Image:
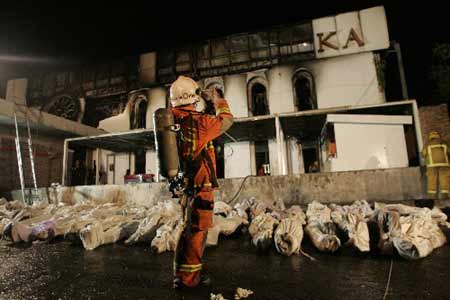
(197, 157)
(436, 154)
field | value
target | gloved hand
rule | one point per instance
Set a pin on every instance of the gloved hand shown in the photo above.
(210, 95)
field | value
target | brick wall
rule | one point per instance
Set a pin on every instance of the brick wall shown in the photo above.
(47, 160)
(435, 117)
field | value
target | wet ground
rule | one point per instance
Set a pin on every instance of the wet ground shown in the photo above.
(61, 270)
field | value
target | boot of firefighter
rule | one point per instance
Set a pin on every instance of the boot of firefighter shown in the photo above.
(444, 182)
(432, 174)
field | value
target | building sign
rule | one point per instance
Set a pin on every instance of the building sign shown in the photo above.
(352, 32)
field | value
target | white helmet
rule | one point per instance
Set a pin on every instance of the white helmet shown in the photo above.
(184, 91)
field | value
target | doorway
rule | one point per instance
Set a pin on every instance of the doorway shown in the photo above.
(111, 165)
(311, 160)
(139, 162)
(262, 160)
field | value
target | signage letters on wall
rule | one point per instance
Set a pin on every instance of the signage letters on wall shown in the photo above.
(352, 36)
(352, 32)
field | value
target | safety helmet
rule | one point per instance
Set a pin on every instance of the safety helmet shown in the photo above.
(184, 91)
(433, 135)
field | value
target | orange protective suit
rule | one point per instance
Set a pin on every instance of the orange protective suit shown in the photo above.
(198, 157)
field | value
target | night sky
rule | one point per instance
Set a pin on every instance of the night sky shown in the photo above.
(46, 35)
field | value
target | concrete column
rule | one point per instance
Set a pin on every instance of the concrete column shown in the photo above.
(281, 148)
(293, 153)
(253, 166)
(64, 170)
(418, 130)
(300, 159)
(156, 99)
(97, 168)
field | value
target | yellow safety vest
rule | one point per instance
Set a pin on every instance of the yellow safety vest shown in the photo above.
(439, 150)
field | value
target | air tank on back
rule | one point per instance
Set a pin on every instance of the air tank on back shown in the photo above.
(166, 142)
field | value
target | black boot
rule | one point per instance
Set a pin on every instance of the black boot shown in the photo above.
(178, 284)
(205, 280)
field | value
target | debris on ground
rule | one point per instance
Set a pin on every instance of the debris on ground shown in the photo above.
(242, 293)
(239, 294)
(216, 297)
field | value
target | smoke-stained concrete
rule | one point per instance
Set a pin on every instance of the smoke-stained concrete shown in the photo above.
(389, 185)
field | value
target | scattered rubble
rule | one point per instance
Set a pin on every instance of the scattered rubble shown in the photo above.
(216, 297)
(239, 294)
(242, 293)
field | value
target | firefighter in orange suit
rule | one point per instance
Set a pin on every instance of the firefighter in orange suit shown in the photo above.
(197, 156)
(436, 154)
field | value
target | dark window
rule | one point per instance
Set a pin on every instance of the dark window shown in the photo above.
(302, 33)
(138, 114)
(258, 41)
(238, 46)
(166, 58)
(259, 45)
(259, 100)
(218, 48)
(305, 91)
(285, 36)
(183, 60)
(203, 55)
(238, 43)
(102, 76)
(142, 114)
(166, 64)
(78, 171)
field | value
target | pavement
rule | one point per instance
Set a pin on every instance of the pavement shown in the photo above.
(64, 270)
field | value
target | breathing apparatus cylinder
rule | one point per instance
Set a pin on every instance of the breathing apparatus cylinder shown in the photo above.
(166, 142)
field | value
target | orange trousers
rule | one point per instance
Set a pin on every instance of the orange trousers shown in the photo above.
(191, 245)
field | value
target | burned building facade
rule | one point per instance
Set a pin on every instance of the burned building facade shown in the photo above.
(307, 97)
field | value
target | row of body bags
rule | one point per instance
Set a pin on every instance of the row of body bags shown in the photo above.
(413, 232)
(94, 224)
